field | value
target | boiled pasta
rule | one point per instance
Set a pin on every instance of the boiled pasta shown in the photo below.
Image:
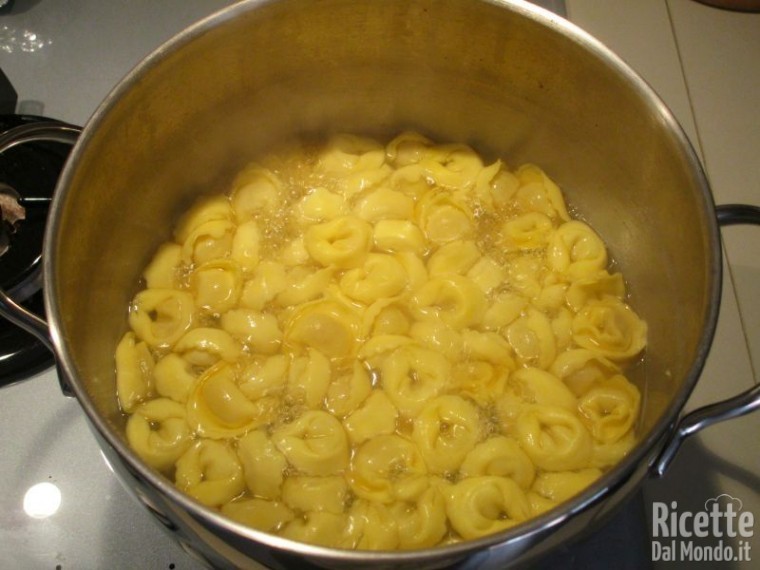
(478, 506)
(381, 347)
(159, 432)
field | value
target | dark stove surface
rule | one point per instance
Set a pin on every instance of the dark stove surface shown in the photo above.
(32, 170)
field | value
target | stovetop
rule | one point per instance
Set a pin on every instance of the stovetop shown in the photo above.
(61, 506)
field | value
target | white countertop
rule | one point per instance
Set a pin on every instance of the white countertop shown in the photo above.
(704, 64)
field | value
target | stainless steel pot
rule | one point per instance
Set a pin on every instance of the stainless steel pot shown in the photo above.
(510, 79)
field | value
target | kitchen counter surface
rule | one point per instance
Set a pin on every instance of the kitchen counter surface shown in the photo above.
(703, 62)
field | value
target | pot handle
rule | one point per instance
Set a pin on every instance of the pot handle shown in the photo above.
(744, 403)
(9, 309)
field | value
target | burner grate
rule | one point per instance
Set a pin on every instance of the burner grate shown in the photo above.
(31, 170)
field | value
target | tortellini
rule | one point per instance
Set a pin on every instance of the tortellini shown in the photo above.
(536, 386)
(500, 456)
(315, 443)
(454, 299)
(533, 339)
(158, 432)
(328, 326)
(478, 506)
(536, 192)
(374, 526)
(209, 241)
(355, 163)
(455, 257)
(263, 464)
(554, 438)
(381, 277)
(174, 377)
(611, 328)
(210, 471)
(347, 391)
(164, 269)
(321, 204)
(443, 218)
(446, 429)
(217, 408)
(398, 235)
(412, 375)
(256, 192)
(376, 416)
(576, 251)
(388, 468)
(326, 494)
(216, 285)
(343, 242)
(421, 523)
(526, 232)
(260, 331)
(610, 409)
(384, 204)
(204, 346)
(381, 347)
(159, 317)
(309, 378)
(269, 516)
(319, 527)
(558, 486)
(134, 372)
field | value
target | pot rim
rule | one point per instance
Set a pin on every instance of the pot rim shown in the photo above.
(646, 450)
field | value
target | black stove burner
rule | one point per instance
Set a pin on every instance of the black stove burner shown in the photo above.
(32, 170)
